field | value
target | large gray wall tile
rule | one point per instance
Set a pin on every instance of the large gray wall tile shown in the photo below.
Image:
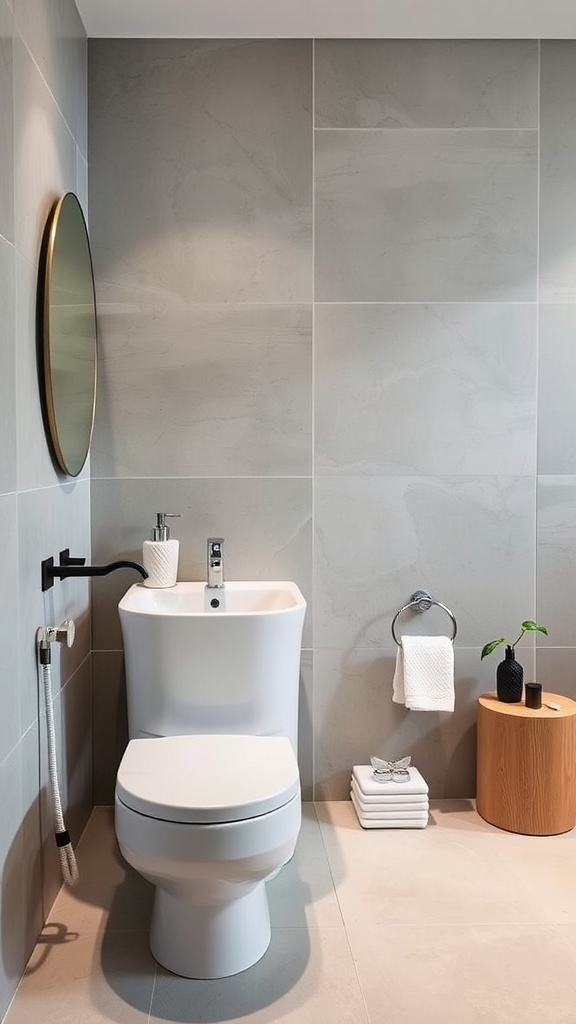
(556, 559)
(30, 867)
(426, 83)
(556, 381)
(426, 216)
(394, 387)
(35, 466)
(82, 183)
(469, 541)
(7, 367)
(6, 124)
(44, 154)
(57, 42)
(556, 670)
(219, 390)
(20, 918)
(232, 148)
(557, 172)
(10, 731)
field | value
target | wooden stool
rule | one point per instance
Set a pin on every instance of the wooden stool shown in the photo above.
(526, 765)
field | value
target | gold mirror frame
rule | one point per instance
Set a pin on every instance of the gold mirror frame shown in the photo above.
(68, 334)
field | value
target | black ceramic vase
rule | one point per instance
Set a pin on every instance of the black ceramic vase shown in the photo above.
(509, 679)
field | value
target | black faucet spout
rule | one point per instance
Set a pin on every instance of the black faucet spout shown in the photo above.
(71, 568)
(64, 571)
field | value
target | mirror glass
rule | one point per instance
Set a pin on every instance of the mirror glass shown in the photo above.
(68, 346)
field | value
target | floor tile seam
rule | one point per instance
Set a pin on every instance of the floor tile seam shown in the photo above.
(328, 861)
(397, 926)
(152, 994)
(308, 926)
(401, 129)
(355, 966)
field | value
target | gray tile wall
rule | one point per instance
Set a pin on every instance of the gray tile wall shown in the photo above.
(43, 152)
(319, 282)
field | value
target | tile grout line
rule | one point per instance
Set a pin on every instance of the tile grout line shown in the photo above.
(348, 941)
(313, 428)
(379, 129)
(149, 1018)
(327, 856)
(537, 367)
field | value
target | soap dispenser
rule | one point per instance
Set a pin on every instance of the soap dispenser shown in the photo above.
(160, 555)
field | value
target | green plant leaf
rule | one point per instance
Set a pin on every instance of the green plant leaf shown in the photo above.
(529, 625)
(488, 648)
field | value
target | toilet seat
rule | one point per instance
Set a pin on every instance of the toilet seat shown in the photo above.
(206, 779)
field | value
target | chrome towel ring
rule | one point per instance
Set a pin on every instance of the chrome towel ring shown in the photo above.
(422, 601)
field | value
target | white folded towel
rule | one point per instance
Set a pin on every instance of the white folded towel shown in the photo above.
(416, 821)
(387, 814)
(369, 785)
(424, 676)
(388, 803)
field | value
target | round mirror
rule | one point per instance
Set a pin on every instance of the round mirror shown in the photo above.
(68, 346)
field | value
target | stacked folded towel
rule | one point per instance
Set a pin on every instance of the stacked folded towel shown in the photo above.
(389, 804)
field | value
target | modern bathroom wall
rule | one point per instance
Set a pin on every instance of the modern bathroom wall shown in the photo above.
(335, 284)
(43, 152)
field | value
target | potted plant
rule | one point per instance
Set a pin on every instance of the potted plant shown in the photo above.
(509, 673)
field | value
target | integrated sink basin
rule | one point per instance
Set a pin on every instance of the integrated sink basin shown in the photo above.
(217, 652)
(242, 598)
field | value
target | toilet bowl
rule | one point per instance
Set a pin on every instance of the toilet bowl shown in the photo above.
(207, 819)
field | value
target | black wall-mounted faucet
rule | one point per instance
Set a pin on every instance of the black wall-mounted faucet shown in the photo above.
(76, 567)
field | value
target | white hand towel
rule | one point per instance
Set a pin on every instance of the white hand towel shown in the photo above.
(388, 803)
(424, 676)
(369, 785)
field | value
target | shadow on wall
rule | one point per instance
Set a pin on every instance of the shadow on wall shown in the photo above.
(110, 723)
(21, 918)
(442, 745)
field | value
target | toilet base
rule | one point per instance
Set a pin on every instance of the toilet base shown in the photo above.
(210, 940)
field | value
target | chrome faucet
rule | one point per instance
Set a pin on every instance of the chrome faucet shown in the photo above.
(215, 560)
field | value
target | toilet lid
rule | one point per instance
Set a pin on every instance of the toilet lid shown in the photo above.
(208, 778)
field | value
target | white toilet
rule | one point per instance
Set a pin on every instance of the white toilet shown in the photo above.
(208, 790)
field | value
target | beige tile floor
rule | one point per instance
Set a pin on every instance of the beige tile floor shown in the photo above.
(459, 923)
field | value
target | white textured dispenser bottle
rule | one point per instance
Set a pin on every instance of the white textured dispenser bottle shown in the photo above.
(160, 555)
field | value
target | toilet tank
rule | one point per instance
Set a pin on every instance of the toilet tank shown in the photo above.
(213, 661)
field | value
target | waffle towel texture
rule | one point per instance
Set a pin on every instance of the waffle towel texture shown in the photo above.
(416, 820)
(424, 675)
